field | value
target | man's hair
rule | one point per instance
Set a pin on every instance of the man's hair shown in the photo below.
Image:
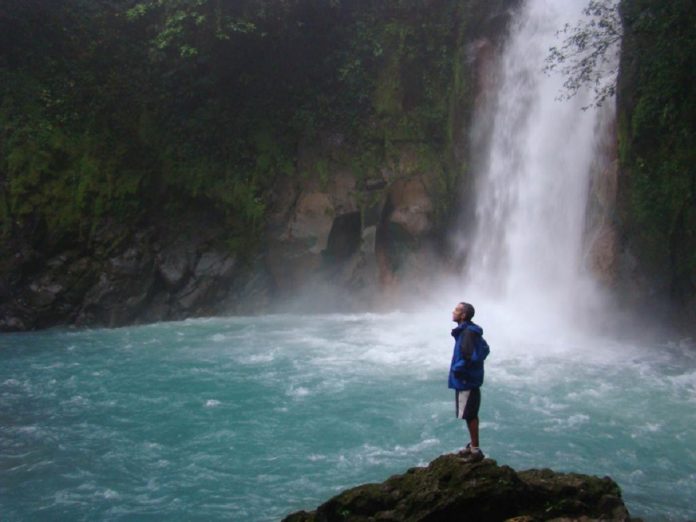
(469, 311)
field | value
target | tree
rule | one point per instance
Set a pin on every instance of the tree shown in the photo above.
(588, 55)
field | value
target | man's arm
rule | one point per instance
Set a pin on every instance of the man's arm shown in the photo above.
(466, 348)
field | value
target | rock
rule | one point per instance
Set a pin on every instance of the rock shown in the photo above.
(11, 324)
(44, 293)
(450, 490)
(313, 219)
(250, 290)
(601, 223)
(603, 258)
(341, 188)
(295, 251)
(369, 235)
(214, 264)
(345, 238)
(174, 265)
(129, 263)
(412, 206)
(194, 293)
(116, 300)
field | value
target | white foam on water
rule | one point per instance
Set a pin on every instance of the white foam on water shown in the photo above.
(338, 418)
(256, 358)
(298, 392)
(685, 382)
(108, 494)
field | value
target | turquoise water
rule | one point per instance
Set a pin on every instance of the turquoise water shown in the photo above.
(253, 418)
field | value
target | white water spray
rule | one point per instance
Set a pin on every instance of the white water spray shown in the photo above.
(533, 157)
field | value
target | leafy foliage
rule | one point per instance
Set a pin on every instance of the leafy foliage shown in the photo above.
(657, 105)
(124, 109)
(588, 55)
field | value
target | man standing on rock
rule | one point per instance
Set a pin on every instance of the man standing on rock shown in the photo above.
(466, 374)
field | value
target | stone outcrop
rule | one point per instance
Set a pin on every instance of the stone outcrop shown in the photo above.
(353, 217)
(333, 234)
(348, 234)
(601, 227)
(159, 273)
(451, 490)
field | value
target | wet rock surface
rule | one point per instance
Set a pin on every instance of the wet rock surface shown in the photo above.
(336, 239)
(449, 489)
(160, 272)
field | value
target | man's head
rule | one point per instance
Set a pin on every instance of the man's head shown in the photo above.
(463, 312)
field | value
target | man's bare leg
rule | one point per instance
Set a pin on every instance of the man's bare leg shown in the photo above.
(473, 426)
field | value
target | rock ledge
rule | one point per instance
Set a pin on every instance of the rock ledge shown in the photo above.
(450, 490)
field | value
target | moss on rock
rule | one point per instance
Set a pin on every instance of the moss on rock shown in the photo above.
(450, 490)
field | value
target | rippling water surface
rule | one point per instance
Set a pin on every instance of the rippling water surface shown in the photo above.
(253, 418)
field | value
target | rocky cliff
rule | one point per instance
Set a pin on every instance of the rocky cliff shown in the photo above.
(193, 189)
(451, 490)
(351, 215)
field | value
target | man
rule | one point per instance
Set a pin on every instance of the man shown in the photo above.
(466, 375)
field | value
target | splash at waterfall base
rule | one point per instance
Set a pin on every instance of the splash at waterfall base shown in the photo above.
(451, 490)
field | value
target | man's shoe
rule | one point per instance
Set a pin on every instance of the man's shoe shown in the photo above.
(474, 456)
(466, 451)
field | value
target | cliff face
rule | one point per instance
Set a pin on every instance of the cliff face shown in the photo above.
(450, 490)
(347, 213)
(656, 211)
(211, 197)
(371, 215)
(161, 271)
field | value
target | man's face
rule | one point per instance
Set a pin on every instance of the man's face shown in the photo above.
(458, 313)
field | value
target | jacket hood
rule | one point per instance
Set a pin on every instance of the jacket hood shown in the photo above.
(468, 325)
(475, 328)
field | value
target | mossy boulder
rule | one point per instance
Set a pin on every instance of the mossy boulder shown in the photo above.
(450, 489)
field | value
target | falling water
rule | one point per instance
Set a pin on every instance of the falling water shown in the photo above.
(533, 160)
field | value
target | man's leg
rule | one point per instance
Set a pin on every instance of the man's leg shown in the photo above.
(473, 425)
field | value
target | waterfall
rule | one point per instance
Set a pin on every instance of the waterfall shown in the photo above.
(532, 158)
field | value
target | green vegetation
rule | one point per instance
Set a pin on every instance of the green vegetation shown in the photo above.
(125, 111)
(122, 110)
(657, 139)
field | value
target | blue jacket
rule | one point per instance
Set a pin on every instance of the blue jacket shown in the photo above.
(470, 350)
